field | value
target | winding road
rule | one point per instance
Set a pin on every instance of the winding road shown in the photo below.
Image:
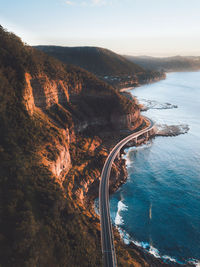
(107, 240)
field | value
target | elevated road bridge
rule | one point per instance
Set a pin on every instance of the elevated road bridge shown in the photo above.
(107, 240)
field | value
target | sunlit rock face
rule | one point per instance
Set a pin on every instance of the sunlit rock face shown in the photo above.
(56, 157)
(41, 92)
(128, 121)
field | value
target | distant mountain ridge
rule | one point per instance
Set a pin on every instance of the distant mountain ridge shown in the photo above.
(176, 63)
(99, 61)
(107, 65)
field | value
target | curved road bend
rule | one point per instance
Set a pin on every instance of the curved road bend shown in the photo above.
(107, 240)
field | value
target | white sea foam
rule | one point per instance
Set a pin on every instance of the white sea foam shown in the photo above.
(195, 262)
(143, 146)
(138, 244)
(130, 151)
(121, 207)
(154, 252)
(128, 160)
(145, 245)
(124, 235)
(168, 258)
(118, 219)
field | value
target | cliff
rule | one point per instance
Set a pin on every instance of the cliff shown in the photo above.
(40, 95)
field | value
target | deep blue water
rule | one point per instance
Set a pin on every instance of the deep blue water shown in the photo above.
(159, 206)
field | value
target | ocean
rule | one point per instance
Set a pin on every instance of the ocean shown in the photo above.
(158, 208)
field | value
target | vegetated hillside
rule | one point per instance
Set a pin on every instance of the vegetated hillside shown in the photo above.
(107, 65)
(97, 60)
(177, 63)
(51, 156)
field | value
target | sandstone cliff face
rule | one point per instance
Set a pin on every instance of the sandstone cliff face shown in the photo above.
(42, 93)
(86, 189)
(56, 157)
(128, 121)
(28, 98)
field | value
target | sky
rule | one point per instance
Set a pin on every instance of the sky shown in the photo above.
(131, 27)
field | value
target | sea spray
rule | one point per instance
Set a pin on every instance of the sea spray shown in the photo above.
(118, 218)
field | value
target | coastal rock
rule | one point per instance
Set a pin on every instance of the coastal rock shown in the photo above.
(171, 130)
(146, 104)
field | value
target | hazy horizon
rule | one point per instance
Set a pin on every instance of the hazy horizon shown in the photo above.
(128, 27)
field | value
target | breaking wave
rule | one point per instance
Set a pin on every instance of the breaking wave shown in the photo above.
(120, 207)
(152, 250)
(130, 151)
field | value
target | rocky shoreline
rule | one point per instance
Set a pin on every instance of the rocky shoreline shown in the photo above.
(115, 183)
(171, 130)
(121, 178)
(119, 174)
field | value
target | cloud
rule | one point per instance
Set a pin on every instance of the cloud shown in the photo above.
(70, 3)
(99, 2)
(88, 2)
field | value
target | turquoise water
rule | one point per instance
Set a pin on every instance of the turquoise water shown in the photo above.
(159, 206)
